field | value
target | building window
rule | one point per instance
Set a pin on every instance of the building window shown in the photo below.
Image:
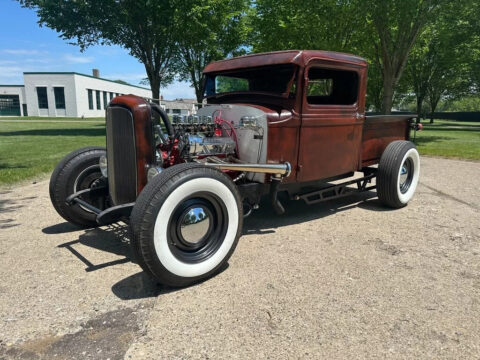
(105, 102)
(167, 111)
(177, 111)
(111, 96)
(118, 94)
(97, 96)
(90, 99)
(59, 97)
(42, 97)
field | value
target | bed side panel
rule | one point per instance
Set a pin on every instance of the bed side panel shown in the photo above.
(378, 132)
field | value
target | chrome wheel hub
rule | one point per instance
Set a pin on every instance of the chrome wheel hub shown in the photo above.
(195, 224)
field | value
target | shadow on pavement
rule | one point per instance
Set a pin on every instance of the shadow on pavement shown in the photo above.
(115, 238)
(10, 205)
(264, 220)
(62, 228)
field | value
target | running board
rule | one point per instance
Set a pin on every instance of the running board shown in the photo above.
(338, 191)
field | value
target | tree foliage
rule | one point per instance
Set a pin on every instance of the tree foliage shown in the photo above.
(143, 27)
(426, 48)
(210, 30)
(384, 32)
(440, 66)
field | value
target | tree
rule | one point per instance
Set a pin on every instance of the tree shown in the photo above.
(382, 31)
(143, 27)
(441, 61)
(121, 82)
(309, 24)
(211, 30)
(397, 23)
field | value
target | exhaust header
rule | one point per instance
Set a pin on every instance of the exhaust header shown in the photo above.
(278, 170)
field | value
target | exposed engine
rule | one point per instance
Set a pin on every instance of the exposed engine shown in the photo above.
(206, 136)
(219, 130)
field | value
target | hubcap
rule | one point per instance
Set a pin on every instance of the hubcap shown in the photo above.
(195, 225)
(406, 175)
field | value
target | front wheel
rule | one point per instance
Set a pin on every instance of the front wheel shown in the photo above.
(186, 224)
(398, 174)
(77, 171)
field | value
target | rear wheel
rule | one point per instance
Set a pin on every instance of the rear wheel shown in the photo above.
(186, 224)
(398, 174)
(77, 171)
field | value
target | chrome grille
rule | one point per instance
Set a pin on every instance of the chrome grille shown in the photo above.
(121, 155)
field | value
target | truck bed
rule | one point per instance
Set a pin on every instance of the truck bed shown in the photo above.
(379, 131)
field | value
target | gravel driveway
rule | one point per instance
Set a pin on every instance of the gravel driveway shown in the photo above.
(343, 279)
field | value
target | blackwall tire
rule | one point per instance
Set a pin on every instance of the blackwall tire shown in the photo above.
(186, 224)
(74, 173)
(398, 174)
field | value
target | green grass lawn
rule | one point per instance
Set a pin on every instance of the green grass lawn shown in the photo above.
(453, 139)
(43, 118)
(30, 149)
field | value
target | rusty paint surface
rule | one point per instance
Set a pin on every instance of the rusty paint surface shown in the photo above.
(298, 57)
(320, 141)
(378, 132)
(143, 134)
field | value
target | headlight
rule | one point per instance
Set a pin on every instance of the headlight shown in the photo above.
(103, 165)
(152, 172)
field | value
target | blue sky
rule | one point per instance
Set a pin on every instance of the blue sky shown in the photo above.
(25, 46)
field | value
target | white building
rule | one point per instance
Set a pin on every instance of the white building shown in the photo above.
(179, 106)
(63, 94)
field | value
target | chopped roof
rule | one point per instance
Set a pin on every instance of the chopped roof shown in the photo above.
(299, 57)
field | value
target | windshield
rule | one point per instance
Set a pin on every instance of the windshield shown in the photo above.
(275, 79)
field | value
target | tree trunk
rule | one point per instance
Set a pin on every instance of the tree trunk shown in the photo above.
(155, 87)
(155, 79)
(388, 89)
(199, 89)
(419, 106)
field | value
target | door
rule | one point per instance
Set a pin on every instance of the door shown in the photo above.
(331, 129)
(9, 105)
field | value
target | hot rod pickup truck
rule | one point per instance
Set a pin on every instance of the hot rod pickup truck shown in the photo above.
(289, 121)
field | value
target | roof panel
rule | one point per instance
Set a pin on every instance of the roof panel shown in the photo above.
(299, 57)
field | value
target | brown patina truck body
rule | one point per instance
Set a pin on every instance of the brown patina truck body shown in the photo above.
(284, 122)
(320, 141)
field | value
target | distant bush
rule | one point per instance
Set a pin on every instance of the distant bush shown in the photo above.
(471, 103)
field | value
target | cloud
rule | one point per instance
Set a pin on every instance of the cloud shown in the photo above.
(25, 52)
(10, 71)
(78, 59)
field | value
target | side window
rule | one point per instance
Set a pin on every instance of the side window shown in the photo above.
(331, 87)
(320, 87)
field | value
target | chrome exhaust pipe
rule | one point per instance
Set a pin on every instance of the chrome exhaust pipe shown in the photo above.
(284, 169)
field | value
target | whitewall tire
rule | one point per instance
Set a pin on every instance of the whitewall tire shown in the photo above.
(398, 174)
(186, 224)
